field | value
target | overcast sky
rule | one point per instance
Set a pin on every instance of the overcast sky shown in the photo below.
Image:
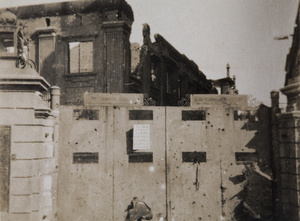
(214, 32)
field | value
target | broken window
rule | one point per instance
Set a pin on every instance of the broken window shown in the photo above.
(7, 43)
(81, 57)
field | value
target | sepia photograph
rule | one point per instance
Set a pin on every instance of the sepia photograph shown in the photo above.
(162, 110)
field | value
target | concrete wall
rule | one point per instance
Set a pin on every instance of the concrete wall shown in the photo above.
(227, 175)
(27, 154)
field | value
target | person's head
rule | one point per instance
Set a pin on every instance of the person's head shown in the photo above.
(135, 199)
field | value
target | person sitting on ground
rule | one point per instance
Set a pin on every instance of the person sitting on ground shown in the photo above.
(138, 210)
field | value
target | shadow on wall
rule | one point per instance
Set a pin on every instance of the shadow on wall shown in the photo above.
(256, 197)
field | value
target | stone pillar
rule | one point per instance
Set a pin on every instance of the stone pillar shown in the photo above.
(55, 98)
(289, 148)
(55, 104)
(275, 101)
(117, 55)
(275, 155)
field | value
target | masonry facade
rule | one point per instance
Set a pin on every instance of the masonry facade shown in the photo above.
(84, 47)
(286, 130)
(80, 46)
(28, 132)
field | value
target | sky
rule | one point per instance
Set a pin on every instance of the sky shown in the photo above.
(213, 33)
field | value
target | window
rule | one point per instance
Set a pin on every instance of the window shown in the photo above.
(193, 115)
(7, 43)
(81, 57)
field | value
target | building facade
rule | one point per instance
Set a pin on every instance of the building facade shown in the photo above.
(286, 129)
(84, 47)
(29, 132)
(80, 46)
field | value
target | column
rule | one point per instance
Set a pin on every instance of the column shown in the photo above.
(117, 56)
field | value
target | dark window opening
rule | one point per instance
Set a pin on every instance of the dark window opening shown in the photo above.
(140, 115)
(246, 157)
(193, 157)
(140, 157)
(193, 115)
(7, 43)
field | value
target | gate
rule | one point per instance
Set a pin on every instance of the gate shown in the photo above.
(180, 160)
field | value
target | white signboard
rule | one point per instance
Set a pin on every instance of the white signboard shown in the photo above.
(141, 137)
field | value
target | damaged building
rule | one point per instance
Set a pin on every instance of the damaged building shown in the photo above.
(84, 47)
(89, 121)
(167, 76)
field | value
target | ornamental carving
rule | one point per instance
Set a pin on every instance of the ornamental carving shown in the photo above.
(8, 18)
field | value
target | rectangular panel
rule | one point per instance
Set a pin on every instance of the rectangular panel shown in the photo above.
(85, 157)
(46, 58)
(5, 147)
(141, 137)
(193, 115)
(115, 99)
(193, 157)
(246, 157)
(86, 56)
(140, 157)
(140, 115)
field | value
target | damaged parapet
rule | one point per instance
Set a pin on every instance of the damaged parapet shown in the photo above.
(226, 85)
(115, 99)
(28, 131)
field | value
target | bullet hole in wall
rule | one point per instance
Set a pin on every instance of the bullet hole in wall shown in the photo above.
(48, 22)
